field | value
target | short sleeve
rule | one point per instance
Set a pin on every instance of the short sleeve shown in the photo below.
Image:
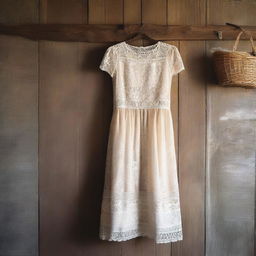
(177, 63)
(108, 62)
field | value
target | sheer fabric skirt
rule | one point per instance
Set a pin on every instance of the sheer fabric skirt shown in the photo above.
(141, 192)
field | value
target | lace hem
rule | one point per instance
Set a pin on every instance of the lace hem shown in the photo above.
(159, 237)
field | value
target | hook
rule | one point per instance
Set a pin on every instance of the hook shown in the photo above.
(219, 34)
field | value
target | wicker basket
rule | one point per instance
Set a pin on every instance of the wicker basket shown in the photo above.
(236, 68)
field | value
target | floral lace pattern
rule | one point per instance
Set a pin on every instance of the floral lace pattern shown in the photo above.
(142, 76)
(139, 210)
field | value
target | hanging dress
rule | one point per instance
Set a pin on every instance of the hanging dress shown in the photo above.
(141, 192)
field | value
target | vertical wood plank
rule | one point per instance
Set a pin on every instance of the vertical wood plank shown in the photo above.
(233, 11)
(231, 167)
(230, 212)
(105, 12)
(114, 12)
(191, 146)
(192, 149)
(132, 11)
(154, 12)
(18, 134)
(56, 11)
(18, 11)
(59, 133)
(187, 12)
(96, 12)
(59, 80)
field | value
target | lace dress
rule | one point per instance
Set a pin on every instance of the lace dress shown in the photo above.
(141, 193)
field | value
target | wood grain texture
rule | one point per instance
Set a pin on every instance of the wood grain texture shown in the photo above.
(233, 11)
(187, 12)
(114, 12)
(192, 149)
(60, 73)
(19, 142)
(18, 134)
(59, 90)
(105, 12)
(56, 11)
(96, 12)
(154, 12)
(109, 33)
(191, 140)
(18, 12)
(132, 11)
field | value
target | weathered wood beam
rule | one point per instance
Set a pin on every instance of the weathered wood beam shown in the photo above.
(95, 33)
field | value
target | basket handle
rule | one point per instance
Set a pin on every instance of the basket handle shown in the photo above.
(251, 40)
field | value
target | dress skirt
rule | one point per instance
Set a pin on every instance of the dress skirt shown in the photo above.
(141, 192)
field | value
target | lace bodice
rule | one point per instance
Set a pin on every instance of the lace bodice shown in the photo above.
(142, 75)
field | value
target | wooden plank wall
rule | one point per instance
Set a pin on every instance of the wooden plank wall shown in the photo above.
(18, 134)
(59, 85)
(75, 108)
(191, 131)
(231, 156)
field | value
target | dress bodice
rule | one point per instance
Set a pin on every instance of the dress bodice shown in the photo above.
(142, 75)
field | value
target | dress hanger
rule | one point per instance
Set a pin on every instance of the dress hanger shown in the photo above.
(140, 35)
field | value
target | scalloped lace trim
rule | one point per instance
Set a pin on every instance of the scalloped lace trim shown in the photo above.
(160, 237)
(166, 226)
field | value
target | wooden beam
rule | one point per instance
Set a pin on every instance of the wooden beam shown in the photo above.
(95, 33)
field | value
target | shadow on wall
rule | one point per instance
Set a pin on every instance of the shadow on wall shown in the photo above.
(94, 131)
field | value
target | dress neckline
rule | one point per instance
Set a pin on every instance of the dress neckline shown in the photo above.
(142, 49)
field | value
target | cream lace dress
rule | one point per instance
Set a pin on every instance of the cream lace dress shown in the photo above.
(141, 193)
